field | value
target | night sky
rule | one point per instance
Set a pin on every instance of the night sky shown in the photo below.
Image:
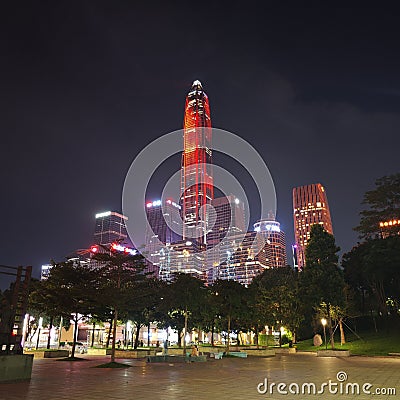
(86, 85)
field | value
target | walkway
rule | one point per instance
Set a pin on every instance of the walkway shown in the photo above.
(229, 378)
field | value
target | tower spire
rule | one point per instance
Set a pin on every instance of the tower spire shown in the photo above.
(196, 174)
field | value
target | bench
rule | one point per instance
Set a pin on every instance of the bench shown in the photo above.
(217, 356)
(190, 358)
(240, 354)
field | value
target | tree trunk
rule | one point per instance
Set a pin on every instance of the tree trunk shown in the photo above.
(137, 337)
(179, 337)
(148, 335)
(48, 336)
(75, 335)
(109, 334)
(342, 336)
(114, 334)
(94, 327)
(229, 334)
(331, 338)
(212, 334)
(60, 331)
(185, 333)
(256, 337)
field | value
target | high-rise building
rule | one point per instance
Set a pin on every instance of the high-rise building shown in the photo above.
(196, 174)
(272, 248)
(240, 260)
(185, 256)
(310, 206)
(164, 228)
(228, 220)
(110, 228)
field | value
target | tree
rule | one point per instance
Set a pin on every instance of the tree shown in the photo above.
(230, 302)
(383, 204)
(322, 281)
(71, 291)
(41, 303)
(148, 296)
(372, 268)
(184, 297)
(119, 273)
(277, 299)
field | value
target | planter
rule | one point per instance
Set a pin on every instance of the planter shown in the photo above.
(48, 353)
(285, 350)
(96, 352)
(16, 367)
(333, 353)
(134, 353)
(261, 352)
(56, 354)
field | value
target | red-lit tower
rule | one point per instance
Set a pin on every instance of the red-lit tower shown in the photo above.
(196, 173)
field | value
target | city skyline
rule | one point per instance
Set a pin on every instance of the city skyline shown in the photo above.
(318, 99)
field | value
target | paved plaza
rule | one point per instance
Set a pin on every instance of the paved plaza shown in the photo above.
(229, 378)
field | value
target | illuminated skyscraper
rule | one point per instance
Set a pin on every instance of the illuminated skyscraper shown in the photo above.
(163, 229)
(272, 251)
(229, 223)
(110, 228)
(310, 206)
(196, 173)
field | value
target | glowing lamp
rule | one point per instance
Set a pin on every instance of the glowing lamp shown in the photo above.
(94, 249)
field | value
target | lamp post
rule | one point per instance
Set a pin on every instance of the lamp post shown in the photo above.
(323, 322)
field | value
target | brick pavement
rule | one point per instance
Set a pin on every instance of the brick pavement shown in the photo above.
(229, 378)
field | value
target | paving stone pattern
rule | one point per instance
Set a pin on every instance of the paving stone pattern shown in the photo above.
(229, 378)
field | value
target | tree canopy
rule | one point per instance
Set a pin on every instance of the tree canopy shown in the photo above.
(383, 204)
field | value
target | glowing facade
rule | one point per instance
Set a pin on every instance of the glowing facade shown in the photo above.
(163, 229)
(272, 251)
(228, 222)
(110, 228)
(239, 259)
(196, 174)
(310, 206)
(389, 228)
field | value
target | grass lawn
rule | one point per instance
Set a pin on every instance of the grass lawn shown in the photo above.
(371, 344)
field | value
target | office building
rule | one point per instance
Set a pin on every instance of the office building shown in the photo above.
(228, 220)
(185, 257)
(272, 244)
(310, 206)
(164, 227)
(111, 228)
(239, 255)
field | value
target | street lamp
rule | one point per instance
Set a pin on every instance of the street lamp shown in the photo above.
(323, 322)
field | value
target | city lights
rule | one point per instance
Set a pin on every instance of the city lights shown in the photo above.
(123, 249)
(392, 222)
(94, 249)
(103, 214)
